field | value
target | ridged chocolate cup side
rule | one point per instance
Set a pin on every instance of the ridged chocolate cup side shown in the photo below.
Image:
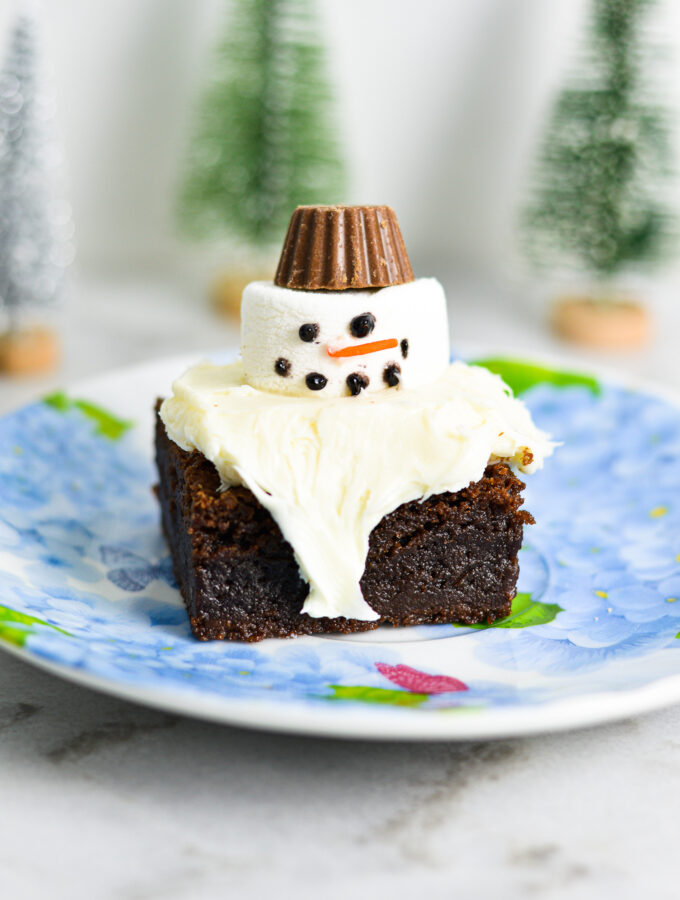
(340, 248)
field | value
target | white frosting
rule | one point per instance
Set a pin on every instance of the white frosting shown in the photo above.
(271, 318)
(328, 470)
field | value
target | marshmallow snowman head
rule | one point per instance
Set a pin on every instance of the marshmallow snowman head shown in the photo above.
(343, 343)
(345, 316)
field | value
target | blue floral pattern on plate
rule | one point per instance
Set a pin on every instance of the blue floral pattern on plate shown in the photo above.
(86, 584)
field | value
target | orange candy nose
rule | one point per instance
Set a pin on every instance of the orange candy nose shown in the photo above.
(361, 349)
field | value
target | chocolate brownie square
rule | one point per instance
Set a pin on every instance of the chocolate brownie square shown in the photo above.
(450, 558)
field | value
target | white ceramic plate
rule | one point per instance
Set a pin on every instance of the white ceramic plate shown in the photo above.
(86, 587)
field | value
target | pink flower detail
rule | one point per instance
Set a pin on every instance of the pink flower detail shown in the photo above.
(420, 682)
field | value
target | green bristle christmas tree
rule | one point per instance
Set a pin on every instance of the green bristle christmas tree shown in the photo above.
(599, 203)
(265, 140)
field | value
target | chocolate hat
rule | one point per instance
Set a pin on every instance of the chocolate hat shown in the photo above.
(338, 248)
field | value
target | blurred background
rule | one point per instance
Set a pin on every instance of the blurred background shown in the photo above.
(439, 108)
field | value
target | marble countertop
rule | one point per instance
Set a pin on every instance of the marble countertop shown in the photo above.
(105, 799)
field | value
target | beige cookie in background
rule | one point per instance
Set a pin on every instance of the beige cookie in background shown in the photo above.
(30, 351)
(619, 323)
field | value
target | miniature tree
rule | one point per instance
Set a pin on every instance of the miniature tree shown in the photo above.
(598, 202)
(34, 223)
(265, 141)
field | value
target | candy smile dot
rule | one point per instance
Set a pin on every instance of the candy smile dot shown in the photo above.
(392, 374)
(315, 381)
(356, 382)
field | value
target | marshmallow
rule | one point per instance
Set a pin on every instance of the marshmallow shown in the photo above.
(338, 343)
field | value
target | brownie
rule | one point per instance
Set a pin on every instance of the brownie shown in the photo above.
(450, 558)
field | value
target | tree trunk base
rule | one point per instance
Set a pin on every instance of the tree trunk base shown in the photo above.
(613, 324)
(32, 351)
(228, 287)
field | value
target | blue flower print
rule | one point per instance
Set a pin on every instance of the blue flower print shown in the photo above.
(607, 524)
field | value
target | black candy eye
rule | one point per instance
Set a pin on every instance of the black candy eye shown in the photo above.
(315, 381)
(391, 375)
(404, 348)
(362, 325)
(309, 332)
(356, 382)
(282, 366)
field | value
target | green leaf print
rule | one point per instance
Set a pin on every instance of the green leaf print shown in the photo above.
(525, 613)
(106, 424)
(520, 375)
(364, 694)
(16, 627)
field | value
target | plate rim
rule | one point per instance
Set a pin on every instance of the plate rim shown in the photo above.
(502, 723)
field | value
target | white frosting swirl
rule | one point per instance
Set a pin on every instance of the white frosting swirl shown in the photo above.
(328, 470)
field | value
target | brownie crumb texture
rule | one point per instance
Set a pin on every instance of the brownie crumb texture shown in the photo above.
(450, 558)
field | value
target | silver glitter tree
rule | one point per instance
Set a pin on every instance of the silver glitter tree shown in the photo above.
(35, 222)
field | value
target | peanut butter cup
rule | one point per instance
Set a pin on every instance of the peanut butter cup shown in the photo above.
(339, 248)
